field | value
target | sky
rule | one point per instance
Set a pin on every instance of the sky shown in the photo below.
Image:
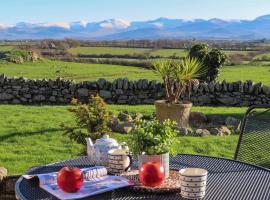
(35, 11)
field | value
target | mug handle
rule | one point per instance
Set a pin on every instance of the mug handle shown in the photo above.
(130, 162)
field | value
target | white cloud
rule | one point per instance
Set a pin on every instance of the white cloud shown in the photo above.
(57, 24)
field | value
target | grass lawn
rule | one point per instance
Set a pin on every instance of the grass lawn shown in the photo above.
(81, 71)
(246, 72)
(107, 50)
(6, 48)
(76, 71)
(31, 135)
(169, 52)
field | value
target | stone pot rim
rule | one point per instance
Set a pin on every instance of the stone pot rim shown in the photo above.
(180, 103)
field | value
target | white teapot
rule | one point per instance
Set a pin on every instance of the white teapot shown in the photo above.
(99, 151)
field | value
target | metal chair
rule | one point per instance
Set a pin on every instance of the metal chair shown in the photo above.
(254, 142)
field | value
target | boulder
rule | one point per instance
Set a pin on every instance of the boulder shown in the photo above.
(202, 133)
(105, 94)
(228, 101)
(197, 118)
(83, 92)
(185, 132)
(216, 119)
(124, 127)
(39, 98)
(124, 116)
(220, 131)
(266, 90)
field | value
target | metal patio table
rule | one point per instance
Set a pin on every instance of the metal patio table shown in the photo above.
(227, 179)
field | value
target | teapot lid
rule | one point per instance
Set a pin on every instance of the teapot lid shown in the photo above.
(105, 139)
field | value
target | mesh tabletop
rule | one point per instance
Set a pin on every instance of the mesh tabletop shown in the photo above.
(227, 179)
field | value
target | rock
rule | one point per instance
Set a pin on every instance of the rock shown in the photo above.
(119, 91)
(39, 98)
(197, 118)
(101, 83)
(52, 99)
(5, 96)
(124, 127)
(220, 131)
(83, 92)
(233, 122)
(266, 90)
(216, 119)
(228, 101)
(120, 83)
(113, 123)
(3, 173)
(124, 116)
(125, 84)
(202, 133)
(185, 132)
(211, 86)
(105, 94)
(138, 116)
(16, 101)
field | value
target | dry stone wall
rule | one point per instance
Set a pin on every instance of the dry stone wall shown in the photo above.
(122, 91)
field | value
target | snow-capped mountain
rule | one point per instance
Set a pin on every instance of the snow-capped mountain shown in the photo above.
(161, 28)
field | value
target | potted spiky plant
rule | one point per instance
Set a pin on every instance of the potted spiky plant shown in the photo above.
(178, 77)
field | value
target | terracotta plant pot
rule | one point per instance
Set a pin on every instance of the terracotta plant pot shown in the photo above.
(176, 112)
(162, 158)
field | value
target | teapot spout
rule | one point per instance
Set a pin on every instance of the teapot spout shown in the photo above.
(90, 146)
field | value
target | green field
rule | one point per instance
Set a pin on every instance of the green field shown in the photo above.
(246, 72)
(31, 135)
(107, 50)
(6, 48)
(169, 52)
(76, 71)
(231, 52)
(79, 71)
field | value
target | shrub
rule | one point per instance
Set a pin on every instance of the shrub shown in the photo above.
(92, 121)
(179, 76)
(212, 58)
(153, 137)
(20, 56)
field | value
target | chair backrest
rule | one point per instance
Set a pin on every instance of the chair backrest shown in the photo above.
(254, 140)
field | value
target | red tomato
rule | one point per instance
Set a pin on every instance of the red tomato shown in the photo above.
(151, 174)
(70, 179)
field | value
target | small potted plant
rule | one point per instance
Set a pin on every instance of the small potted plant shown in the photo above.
(178, 77)
(152, 141)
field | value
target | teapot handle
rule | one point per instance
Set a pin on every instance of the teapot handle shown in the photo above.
(130, 162)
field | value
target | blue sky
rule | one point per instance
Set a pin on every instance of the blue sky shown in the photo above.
(13, 11)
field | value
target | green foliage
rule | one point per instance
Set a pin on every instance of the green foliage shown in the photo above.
(153, 137)
(179, 76)
(212, 58)
(20, 56)
(92, 121)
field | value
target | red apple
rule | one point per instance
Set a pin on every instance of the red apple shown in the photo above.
(151, 174)
(70, 179)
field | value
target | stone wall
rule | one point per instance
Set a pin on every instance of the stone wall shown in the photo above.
(122, 91)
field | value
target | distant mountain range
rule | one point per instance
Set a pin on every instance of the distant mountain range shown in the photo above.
(161, 28)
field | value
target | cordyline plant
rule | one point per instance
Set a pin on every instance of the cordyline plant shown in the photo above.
(179, 76)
